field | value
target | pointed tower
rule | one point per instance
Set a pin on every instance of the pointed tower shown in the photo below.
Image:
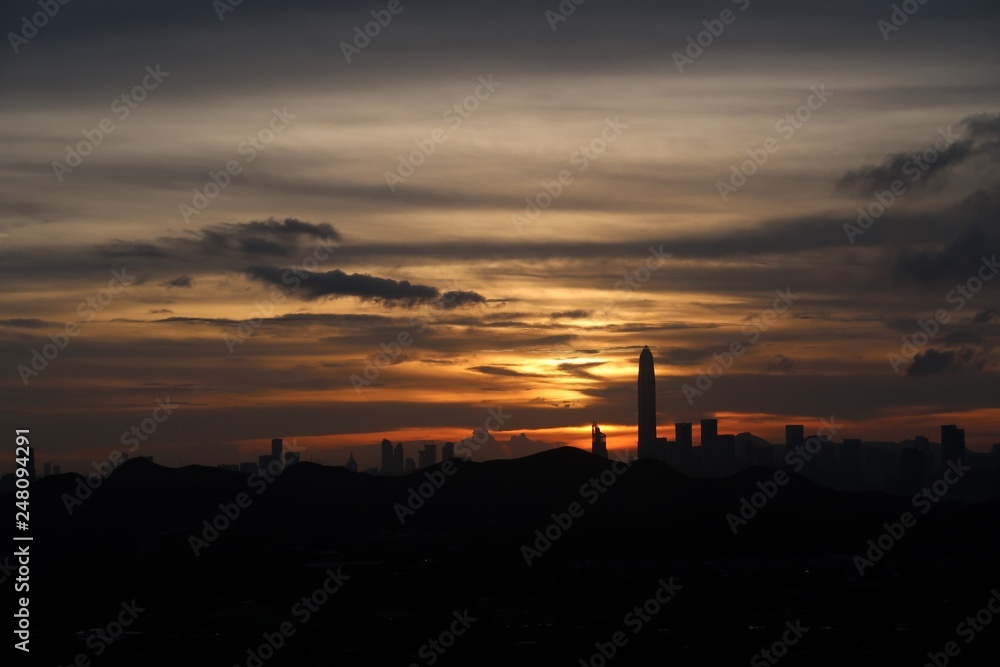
(647, 404)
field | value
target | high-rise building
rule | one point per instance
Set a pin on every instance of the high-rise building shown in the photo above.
(647, 405)
(709, 432)
(952, 444)
(46, 469)
(397, 458)
(387, 460)
(448, 451)
(427, 456)
(276, 445)
(351, 464)
(56, 469)
(795, 437)
(598, 441)
(411, 465)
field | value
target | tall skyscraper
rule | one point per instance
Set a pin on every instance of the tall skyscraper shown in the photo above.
(448, 451)
(427, 456)
(952, 444)
(709, 432)
(647, 405)
(397, 458)
(387, 460)
(598, 441)
(276, 446)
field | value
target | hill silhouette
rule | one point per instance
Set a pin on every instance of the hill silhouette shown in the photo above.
(421, 546)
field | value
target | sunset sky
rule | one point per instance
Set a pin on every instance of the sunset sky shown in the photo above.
(511, 299)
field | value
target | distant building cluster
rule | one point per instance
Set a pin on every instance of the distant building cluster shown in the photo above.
(278, 457)
(8, 482)
(395, 462)
(851, 464)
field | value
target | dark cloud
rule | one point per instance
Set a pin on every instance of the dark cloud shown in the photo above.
(27, 323)
(685, 356)
(779, 364)
(581, 370)
(500, 370)
(987, 316)
(365, 287)
(571, 314)
(459, 299)
(933, 362)
(976, 136)
(179, 281)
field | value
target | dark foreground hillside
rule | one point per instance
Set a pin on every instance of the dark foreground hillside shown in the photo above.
(644, 568)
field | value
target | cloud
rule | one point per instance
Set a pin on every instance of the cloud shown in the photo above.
(987, 316)
(27, 323)
(780, 364)
(978, 136)
(571, 314)
(180, 281)
(365, 287)
(933, 362)
(500, 370)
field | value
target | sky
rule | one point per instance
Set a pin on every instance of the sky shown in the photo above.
(225, 223)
